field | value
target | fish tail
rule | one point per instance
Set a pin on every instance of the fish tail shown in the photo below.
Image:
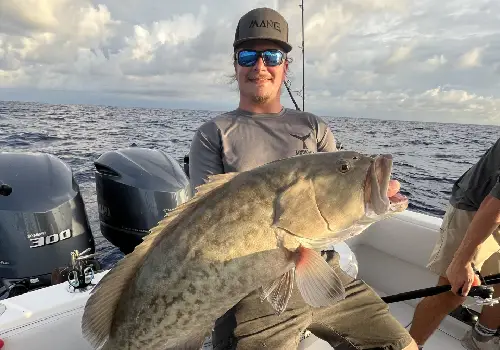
(101, 306)
(100, 309)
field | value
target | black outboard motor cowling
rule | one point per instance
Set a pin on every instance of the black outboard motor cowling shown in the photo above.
(136, 188)
(42, 220)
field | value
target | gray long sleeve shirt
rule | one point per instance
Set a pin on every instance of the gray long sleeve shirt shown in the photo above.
(241, 140)
(480, 180)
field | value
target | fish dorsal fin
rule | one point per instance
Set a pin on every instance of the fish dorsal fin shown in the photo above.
(213, 182)
(101, 306)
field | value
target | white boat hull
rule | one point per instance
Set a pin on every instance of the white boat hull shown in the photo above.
(391, 257)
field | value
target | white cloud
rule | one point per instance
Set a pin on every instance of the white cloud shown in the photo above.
(471, 58)
(404, 59)
(435, 62)
(400, 55)
(431, 105)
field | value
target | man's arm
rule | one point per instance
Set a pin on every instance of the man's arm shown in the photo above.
(484, 223)
(205, 155)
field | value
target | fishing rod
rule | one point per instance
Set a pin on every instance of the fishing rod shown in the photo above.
(303, 59)
(483, 291)
(287, 84)
(291, 96)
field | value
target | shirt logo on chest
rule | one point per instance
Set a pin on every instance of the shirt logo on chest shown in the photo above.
(302, 138)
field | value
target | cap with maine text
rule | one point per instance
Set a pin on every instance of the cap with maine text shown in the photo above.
(265, 24)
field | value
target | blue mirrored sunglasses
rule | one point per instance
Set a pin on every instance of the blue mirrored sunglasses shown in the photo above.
(271, 58)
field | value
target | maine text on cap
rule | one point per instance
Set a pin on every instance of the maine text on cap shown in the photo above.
(266, 24)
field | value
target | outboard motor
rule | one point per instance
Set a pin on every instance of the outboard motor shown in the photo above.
(136, 188)
(42, 220)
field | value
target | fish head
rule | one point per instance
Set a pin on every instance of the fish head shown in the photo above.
(352, 187)
(330, 197)
(338, 194)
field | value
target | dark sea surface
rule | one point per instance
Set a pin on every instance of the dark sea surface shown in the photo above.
(428, 157)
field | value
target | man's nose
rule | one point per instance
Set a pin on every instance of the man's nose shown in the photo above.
(259, 65)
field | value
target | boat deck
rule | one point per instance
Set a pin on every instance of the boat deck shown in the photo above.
(391, 258)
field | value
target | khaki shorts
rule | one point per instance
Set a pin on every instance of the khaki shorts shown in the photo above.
(453, 229)
(361, 320)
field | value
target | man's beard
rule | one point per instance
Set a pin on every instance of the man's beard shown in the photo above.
(261, 99)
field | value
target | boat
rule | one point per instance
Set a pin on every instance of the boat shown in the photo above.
(390, 255)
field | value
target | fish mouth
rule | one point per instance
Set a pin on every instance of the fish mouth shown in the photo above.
(381, 193)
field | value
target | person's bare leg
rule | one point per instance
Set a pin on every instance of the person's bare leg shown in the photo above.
(489, 319)
(431, 311)
(490, 315)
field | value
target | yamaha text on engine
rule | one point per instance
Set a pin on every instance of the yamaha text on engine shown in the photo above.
(42, 220)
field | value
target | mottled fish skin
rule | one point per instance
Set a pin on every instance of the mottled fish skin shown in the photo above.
(241, 232)
(206, 271)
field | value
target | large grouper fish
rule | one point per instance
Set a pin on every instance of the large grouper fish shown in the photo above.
(262, 228)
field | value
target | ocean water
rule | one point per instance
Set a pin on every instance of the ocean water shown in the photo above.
(428, 157)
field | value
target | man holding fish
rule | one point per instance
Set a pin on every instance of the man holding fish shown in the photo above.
(261, 130)
(271, 192)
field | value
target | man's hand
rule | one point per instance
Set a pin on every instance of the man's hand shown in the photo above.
(484, 223)
(461, 275)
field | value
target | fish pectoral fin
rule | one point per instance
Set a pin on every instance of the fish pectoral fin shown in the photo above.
(317, 282)
(278, 292)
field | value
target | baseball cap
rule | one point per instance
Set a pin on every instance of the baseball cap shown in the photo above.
(263, 23)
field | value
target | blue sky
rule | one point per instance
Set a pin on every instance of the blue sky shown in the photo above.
(416, 60)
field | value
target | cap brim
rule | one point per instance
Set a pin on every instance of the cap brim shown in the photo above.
(287, 47)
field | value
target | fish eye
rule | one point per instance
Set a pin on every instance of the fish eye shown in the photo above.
(355, 158)
(344, 166)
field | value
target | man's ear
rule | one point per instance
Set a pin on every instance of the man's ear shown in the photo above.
(235, 63)
(235, 67)
(285, 71)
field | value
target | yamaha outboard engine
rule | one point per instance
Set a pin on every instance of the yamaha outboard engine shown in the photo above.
(136, 188)
(42, 220)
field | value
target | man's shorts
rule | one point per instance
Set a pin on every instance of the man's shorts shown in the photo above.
(453, 229)
(362, 320)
